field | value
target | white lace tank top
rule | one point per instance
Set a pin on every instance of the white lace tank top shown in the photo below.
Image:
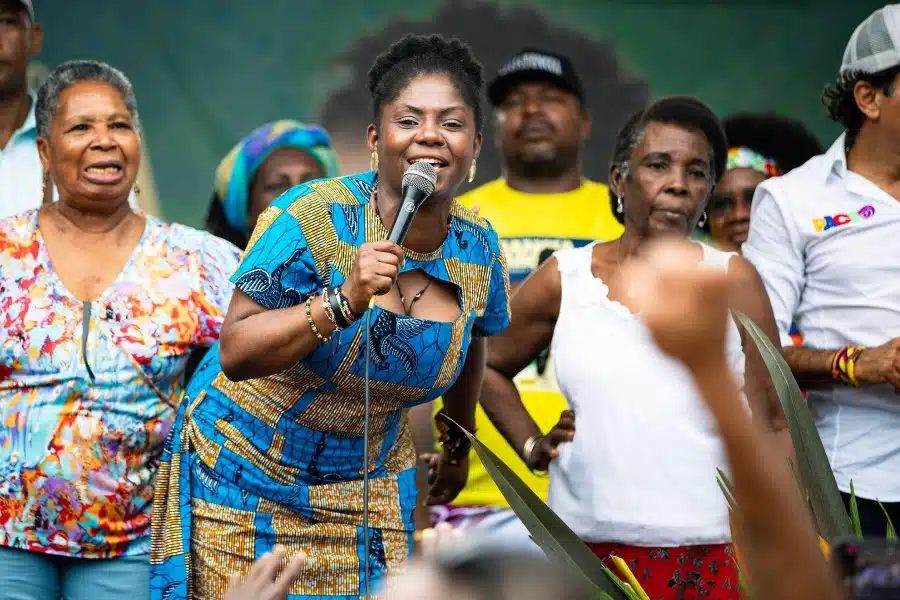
(642, 467)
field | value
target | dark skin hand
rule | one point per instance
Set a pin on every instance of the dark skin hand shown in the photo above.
(263, 582)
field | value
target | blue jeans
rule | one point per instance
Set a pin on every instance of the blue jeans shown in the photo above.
(28, 575)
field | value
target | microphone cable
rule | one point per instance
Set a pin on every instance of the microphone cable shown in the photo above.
(366, 424)
(419, 178)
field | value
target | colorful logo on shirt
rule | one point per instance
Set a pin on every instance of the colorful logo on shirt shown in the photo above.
(825, 223)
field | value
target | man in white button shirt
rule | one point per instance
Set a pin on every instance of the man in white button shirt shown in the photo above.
(825, 239)
(21, 176)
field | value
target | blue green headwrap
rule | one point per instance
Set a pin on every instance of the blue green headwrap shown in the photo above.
(235, 172)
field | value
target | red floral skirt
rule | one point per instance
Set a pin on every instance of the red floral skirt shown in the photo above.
(681, 573)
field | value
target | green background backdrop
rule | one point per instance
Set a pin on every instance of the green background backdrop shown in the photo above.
(206, 72)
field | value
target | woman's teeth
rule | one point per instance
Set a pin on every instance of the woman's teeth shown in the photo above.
(431, 161)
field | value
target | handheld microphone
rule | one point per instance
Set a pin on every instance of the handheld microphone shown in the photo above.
(418, 184)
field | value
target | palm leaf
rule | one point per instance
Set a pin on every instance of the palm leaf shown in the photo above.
(727, 488)
(803, 496)
(825, 498)
(549, 532)
(854, 513)
(891, 533)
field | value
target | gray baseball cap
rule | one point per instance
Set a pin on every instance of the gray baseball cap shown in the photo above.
(875, 44)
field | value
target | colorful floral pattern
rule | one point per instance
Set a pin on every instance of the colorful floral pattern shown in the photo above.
(85, 409)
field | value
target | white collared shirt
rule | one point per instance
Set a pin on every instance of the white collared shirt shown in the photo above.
(21, 173)
(826, 242)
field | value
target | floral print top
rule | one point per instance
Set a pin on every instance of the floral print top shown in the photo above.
(88, 390)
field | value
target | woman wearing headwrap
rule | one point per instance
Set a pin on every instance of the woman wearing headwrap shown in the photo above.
(759, 146)
(261, 167)
(271, 160)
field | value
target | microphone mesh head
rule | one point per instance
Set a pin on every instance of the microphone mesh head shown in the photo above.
(421, 176)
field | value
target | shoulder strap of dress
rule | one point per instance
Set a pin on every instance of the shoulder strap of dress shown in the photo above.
(714, 257)
(572, 261)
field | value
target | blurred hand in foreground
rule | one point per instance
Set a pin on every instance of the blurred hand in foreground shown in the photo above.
(263, 582)
(682, 302)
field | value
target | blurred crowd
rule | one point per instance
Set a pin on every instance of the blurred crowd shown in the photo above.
(181, 410)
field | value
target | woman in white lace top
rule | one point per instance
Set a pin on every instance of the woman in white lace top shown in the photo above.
(638, 479)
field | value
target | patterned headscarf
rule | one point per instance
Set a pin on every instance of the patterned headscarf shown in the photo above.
(235, 172)
(743, 157)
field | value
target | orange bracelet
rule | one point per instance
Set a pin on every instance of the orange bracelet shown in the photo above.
(312, 324)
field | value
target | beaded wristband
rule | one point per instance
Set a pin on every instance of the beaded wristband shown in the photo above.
(312, 324)
(843, 367)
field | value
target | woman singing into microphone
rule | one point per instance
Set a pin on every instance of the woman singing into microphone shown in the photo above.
(267, 448)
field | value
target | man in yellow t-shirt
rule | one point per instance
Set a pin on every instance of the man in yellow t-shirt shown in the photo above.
(542, 204)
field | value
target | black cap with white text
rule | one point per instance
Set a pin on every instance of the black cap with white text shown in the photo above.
(533, 64)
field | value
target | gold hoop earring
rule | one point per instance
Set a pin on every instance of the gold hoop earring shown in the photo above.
(137, 189)
(373, 162)
(472, 172)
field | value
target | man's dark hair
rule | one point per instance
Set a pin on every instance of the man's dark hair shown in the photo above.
(840, 102)
(417, 55)
(785, 140)
(496, 34)
(685, 111)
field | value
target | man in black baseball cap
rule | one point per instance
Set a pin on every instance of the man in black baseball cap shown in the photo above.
(532, 65)
(542, 203)
(541, 120)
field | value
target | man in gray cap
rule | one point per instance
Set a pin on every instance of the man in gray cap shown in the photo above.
(825, 239)
(21, 178)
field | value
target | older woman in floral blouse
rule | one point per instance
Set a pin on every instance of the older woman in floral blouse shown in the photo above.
(99, 308)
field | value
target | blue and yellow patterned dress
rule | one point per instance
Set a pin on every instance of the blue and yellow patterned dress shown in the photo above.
(278, 460)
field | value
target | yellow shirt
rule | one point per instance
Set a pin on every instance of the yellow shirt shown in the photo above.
(527, 225)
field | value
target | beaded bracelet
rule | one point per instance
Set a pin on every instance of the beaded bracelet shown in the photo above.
(843, 367)
(312, 324)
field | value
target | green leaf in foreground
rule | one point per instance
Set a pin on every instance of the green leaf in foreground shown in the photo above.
(854, 513)
(828, 507)
(554, 537)
(891, 533)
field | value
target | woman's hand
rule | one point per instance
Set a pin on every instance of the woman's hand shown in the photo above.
(546, 449)
(684, 304)
(261, 583)
(375, 271)
(445, 479)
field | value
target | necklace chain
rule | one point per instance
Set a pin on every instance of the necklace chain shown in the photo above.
(406, 309)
